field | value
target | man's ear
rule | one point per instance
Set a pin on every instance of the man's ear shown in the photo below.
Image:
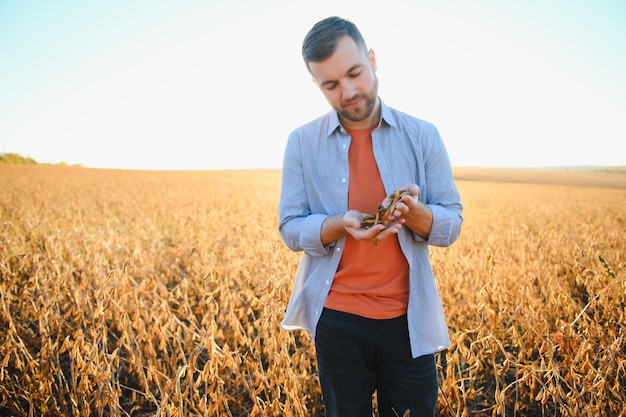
(372, 57)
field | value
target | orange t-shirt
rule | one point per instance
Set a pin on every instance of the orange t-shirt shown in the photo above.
(372, 280)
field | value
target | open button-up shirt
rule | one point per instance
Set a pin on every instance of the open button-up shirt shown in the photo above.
(315, 180)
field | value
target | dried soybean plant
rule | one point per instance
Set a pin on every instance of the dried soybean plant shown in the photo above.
(536, 321)
(384, 210)
(141, 293)
(129, 295)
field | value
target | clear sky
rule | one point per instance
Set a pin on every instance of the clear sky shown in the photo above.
(220, 83)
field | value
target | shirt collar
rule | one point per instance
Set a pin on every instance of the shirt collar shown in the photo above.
(386, 114)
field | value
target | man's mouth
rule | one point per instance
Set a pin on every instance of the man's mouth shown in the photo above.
(353, 103)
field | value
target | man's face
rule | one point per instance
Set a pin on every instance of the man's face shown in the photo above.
(349, 83)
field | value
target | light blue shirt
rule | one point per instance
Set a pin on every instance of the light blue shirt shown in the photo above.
(315, 180)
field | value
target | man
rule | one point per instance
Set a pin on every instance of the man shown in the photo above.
(367, 295)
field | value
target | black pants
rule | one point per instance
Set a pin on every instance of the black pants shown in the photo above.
(357, 356)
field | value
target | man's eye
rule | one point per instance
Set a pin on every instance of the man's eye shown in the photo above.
(355, 74)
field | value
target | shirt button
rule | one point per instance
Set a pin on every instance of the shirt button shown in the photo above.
(327, 282)
(317, 312)
(345, 146)
(338, 249)
(343, 180)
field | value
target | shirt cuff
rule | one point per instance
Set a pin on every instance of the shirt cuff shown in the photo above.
(310, 237)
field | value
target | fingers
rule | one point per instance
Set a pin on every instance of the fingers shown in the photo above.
(360, 233)
(392, 230)
(375, 233)
(414, 189)
(352, 218)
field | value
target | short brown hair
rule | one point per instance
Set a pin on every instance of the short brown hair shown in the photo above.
(321, 41)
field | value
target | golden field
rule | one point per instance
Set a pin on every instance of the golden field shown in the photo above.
(136, 293)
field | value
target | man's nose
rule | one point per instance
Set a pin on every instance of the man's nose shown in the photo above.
(348, 90)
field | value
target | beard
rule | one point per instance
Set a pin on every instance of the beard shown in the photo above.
(362, 112)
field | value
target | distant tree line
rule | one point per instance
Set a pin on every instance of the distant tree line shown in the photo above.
(12, 158)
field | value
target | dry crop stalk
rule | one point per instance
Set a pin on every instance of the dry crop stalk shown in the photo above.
(382, 215)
